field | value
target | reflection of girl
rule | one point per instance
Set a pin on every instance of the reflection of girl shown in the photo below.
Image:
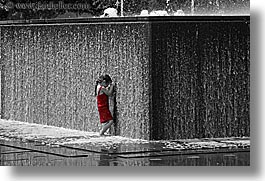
(103, 89)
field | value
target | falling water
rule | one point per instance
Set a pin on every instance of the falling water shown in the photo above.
(200, 80)
(49, 73)
(174, 79)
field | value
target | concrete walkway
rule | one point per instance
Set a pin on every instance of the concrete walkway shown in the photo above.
(74, 147)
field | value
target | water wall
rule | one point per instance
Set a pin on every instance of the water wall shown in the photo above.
(49, 71)
(200, 79)
(177, 77)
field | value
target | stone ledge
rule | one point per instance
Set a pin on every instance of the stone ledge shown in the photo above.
(137, 19)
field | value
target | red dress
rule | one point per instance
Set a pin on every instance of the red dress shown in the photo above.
(103, 107)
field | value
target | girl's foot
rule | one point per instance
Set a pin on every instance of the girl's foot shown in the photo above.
(101, 134)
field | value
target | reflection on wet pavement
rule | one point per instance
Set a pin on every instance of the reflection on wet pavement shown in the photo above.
(17, 153)
(25, 144)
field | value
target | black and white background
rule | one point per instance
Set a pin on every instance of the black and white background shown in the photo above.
(255, 172)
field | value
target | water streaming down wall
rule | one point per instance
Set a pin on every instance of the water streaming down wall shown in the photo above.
(200, 82)
(176, 77)
(49, 74)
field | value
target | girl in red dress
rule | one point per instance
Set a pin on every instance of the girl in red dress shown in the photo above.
(103, 89)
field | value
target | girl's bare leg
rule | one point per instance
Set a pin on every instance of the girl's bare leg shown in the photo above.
(105, 127)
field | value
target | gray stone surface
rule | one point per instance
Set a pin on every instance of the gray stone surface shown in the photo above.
(23, 144)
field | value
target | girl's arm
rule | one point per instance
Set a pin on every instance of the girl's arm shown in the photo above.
(107, 91)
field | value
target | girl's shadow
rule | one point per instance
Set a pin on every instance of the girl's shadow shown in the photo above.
(114, 130)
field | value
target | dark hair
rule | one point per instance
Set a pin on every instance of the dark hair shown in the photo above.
(101, 79)
(107, 78)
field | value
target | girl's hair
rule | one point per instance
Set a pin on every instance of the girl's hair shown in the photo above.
(101, 79)
(107, 78)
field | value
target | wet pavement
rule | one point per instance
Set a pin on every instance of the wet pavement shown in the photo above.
(24, 144)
